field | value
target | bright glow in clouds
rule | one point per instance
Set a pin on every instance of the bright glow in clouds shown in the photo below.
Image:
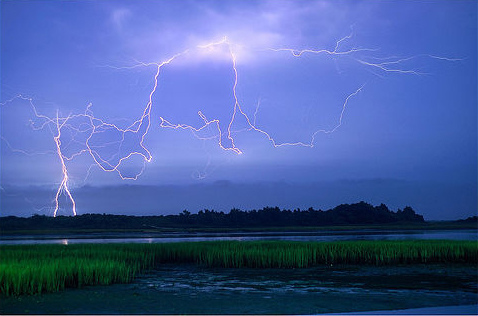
(241, 77)
(109, 152)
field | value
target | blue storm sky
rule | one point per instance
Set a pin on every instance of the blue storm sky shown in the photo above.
(408, 137)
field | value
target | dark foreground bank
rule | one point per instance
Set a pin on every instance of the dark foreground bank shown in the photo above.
(36, 269)
(193, 289)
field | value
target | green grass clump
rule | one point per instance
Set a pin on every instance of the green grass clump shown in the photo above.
(35, 269)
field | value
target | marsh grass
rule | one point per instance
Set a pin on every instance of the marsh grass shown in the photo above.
(35, 269)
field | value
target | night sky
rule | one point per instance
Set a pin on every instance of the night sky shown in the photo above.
(371, 100)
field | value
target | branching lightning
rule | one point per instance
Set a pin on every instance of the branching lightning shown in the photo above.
(64, 182)
(91, 128)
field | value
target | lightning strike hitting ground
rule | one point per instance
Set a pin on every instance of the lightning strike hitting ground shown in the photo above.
(64, 182)
(93, 127)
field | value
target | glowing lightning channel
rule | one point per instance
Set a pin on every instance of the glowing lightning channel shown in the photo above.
(385, 66)
(392, 64)
(237, 109)
(64, 182)
(93, 126)
(166, 124)
(336, 51)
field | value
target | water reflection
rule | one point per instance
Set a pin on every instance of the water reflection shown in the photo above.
(197, 237)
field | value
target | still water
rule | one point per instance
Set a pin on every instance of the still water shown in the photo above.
(190, 289)
(104, 238)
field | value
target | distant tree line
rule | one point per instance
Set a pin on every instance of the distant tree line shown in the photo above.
(471, 219)
(346, 214)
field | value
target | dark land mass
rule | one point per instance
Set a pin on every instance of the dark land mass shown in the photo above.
(345, 216)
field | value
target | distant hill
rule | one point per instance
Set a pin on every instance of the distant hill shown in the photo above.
(345, 214)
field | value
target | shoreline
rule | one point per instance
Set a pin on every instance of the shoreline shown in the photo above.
(179, 236)
(433, 310)
(428, 226)
(189, 289)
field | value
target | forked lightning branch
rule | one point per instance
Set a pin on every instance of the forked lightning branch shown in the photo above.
(92, 127)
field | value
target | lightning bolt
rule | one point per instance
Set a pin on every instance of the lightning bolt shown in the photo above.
(237, 109)
(92, 128)
(64, 182)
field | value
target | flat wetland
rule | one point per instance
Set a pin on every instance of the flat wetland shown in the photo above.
(239, 277)
(191, 289)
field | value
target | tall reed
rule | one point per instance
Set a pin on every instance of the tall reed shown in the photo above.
(36, 269)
